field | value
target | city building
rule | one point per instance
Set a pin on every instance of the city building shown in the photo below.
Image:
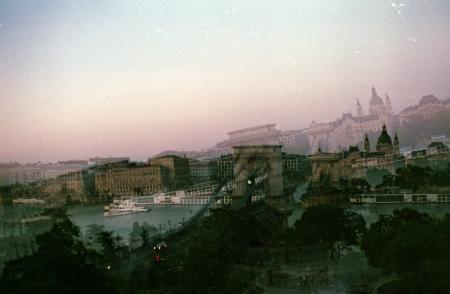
(66, 184)
(178, 175)
(355, 163)
(225, 167)
(4, 172)
(127, 181)
(30, 173)
(108, 160)
(201, 171)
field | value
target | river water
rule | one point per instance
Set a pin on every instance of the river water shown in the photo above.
(162, 216)
(166, 216)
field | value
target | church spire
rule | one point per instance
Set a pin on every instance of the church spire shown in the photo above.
(396, 144)
(366, 144)
(388, 104)
(374, 92)
(359, 110)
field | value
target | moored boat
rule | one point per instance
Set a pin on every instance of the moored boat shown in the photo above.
(122, 206)
(28, 201)
(375, 198)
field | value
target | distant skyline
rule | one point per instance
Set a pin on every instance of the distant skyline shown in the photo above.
(81, 79)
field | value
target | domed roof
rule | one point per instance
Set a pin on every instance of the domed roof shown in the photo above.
(375, 99)
(429, 99)
(384, 138)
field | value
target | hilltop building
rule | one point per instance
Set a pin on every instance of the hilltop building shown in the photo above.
(338, 135)
(428, 106)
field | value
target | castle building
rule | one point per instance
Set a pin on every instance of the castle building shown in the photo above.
(427, 107)
(338, 135)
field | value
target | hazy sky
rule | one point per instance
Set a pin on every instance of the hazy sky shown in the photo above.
(86, 78)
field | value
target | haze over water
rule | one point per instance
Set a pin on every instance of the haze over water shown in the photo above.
(120, 78)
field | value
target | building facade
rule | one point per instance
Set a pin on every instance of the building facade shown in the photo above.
(30, 173)
(355, 163)
(177, 168)
(201, 171)
(127, 181)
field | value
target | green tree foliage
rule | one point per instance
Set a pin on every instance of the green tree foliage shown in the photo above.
(414, 246)
(202, 261)
(62, 264)
(417, 178)
(326, 223)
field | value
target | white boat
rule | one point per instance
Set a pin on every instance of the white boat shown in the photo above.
(122, 206)
(373, 198)
(35, 219)
(28, 201)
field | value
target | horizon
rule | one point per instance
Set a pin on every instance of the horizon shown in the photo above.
(111, 78)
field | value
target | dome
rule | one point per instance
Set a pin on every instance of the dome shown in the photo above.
(384, 138)
(375, 99)
(429, 99)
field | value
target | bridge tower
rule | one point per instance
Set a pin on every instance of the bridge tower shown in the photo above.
(259, 169)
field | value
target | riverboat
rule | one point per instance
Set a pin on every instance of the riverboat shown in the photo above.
(122, 206)
(28, 201)
(372, 198)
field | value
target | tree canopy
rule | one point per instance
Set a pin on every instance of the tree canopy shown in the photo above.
(327, 223)
(413, 245)
(62, 264)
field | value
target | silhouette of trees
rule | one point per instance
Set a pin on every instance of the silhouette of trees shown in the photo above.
(326, 223)
(417, 178)
(415, 247)
(62, 264)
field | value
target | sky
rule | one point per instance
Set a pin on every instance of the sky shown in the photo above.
(80, 79)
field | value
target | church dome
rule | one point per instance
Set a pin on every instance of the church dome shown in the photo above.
(375, 99)
(384, 138)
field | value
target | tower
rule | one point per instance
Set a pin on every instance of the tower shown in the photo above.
(259, 169)
(396, 145)
(388, 104)
(384, 143)
(366, 144)
(359, 110)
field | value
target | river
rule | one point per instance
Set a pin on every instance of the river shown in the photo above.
(160, 216)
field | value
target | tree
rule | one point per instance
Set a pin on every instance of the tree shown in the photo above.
(414, 246)
(61, 265)
(326, 223)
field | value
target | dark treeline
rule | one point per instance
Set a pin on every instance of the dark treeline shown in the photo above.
(223, 252)
(415, 247)
(417, 178)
